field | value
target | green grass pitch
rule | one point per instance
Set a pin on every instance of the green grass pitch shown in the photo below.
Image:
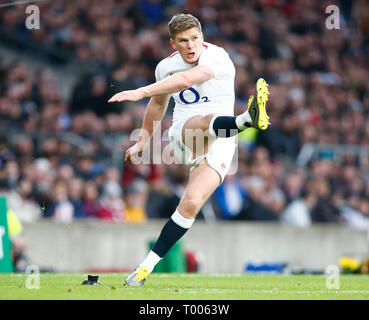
(172, 286)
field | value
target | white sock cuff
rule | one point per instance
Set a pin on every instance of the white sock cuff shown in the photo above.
(150, 261)
(211, 129)
(242, 119)
(182, 221)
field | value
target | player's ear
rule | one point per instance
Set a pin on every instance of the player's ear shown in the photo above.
(173, 44)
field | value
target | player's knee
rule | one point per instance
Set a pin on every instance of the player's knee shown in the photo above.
(206, 119)
(190, 206)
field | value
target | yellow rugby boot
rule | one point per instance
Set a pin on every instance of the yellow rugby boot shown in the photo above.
(257, 106)
(137, 277)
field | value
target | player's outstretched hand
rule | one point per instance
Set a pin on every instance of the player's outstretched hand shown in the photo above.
(129, 95)
(133, 152)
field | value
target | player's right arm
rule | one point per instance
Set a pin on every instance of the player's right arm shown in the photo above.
(154, 113)
(175, 83)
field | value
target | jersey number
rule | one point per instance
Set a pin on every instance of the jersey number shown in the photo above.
(196, 96)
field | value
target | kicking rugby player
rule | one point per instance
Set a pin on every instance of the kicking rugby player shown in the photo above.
(200, 78)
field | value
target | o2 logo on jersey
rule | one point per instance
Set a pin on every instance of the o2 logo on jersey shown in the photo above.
(196, 96)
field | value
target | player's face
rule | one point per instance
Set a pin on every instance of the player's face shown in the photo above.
(189, 44)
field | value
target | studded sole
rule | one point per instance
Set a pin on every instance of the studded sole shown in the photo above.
(262, 98)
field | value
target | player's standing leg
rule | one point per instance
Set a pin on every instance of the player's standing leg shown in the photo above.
(203, 180)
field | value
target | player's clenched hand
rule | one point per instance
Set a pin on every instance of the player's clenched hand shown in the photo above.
(133, 152)
(129, 95)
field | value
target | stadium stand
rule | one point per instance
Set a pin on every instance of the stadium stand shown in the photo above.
(61, 142)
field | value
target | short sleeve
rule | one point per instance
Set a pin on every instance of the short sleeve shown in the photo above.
(215, 59)
(158, 76)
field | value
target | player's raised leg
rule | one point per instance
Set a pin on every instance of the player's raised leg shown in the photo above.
(227, 126)
(203, 180)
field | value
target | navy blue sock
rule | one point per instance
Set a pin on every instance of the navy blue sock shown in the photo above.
(169, 235)
(225, 126)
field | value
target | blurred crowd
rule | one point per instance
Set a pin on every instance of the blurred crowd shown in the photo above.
(59, 162)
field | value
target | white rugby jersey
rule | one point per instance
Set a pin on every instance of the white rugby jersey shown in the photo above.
(212, 96)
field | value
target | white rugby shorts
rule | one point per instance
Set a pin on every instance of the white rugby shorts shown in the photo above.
(220, 150)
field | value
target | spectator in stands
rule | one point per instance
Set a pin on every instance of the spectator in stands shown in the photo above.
(256, 206)
(87, 168)
(23, 204)
(229, 197)
(324, 210)
(90, 197)
(111, 202)
(75, 190)
(135, 199)
(298, 212)
(60, 209)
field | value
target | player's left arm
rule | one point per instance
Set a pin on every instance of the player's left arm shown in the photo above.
(172, 84)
